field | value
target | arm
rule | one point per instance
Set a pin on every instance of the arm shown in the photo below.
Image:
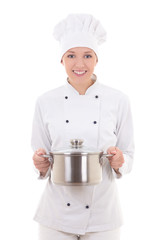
(124, 149)
(42, 165)
(40, 140)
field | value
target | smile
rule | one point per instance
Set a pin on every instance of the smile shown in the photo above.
(79, 73)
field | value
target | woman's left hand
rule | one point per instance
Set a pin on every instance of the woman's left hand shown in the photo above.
(117, 160)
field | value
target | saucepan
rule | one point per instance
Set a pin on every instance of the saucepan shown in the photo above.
(77, 165)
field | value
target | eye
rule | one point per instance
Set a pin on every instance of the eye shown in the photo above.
(88, 56)
(71, 56)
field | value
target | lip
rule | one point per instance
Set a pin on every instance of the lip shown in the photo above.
(78, 72)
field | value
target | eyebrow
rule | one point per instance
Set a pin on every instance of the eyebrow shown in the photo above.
(84, 52)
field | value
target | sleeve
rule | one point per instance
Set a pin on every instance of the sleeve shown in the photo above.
(125, 138)
(40, 135)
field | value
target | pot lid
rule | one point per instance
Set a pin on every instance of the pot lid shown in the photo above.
(76, 147)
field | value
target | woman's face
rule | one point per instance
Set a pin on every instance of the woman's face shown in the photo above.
(79, 64)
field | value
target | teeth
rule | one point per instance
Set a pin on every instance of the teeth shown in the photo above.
(79, 72)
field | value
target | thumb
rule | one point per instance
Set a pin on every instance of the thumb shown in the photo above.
(111, 150)
(40, 151)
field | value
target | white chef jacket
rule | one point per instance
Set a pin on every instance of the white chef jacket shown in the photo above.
(102, 118)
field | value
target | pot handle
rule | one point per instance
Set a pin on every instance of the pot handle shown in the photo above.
(49, 156)
(106, 155)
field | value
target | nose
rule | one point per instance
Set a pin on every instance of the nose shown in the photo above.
(79, 63)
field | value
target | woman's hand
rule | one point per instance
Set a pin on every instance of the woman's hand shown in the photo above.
(41, 163)
(117, 160)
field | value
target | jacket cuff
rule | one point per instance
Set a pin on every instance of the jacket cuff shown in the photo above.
(43, 177)
(116, 174)
(126, 168)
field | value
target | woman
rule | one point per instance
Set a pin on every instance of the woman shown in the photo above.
(82, 108)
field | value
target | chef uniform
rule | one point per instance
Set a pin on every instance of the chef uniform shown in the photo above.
(102, 118)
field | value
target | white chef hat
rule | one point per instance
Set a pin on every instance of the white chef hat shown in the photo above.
(79, 30)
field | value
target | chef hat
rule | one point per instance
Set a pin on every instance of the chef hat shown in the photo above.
(79, 30)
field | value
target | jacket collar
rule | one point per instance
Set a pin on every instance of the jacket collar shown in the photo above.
(91, 90)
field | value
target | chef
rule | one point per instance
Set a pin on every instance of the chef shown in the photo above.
(83, 108)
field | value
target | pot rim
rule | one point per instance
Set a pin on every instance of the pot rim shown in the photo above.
(76, 153)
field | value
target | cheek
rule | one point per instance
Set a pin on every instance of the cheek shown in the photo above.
(68, 69)
(92, 65)
(67, 64)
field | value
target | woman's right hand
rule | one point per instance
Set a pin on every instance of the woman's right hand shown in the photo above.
(41, 163)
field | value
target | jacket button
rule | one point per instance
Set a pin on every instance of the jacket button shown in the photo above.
(68, 204)
(67, 121)
(66, 97)
(87, 206)
(96, 96)
(94, 122)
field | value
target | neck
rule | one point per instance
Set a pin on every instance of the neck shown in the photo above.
(81, 88)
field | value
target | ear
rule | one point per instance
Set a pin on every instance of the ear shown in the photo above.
(62, 61)
(96, 61)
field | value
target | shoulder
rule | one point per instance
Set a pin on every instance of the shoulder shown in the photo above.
(50, 99)
(112, 93)
(51, 95)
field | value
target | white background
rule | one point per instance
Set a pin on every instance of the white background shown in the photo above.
(29, 66)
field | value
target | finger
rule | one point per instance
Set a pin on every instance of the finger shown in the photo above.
(117, 149)
(116, 160)
(40, 159)
(118, 157)
(41, 162)
(113, 158)
(39, 155)
(40, 151)
(116, 165)
(41, 165)
(113, 152)
(110, 149)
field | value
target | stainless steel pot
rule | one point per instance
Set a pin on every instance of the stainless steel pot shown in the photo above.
(76, 166)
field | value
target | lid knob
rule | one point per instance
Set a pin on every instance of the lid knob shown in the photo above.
(76, 143)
